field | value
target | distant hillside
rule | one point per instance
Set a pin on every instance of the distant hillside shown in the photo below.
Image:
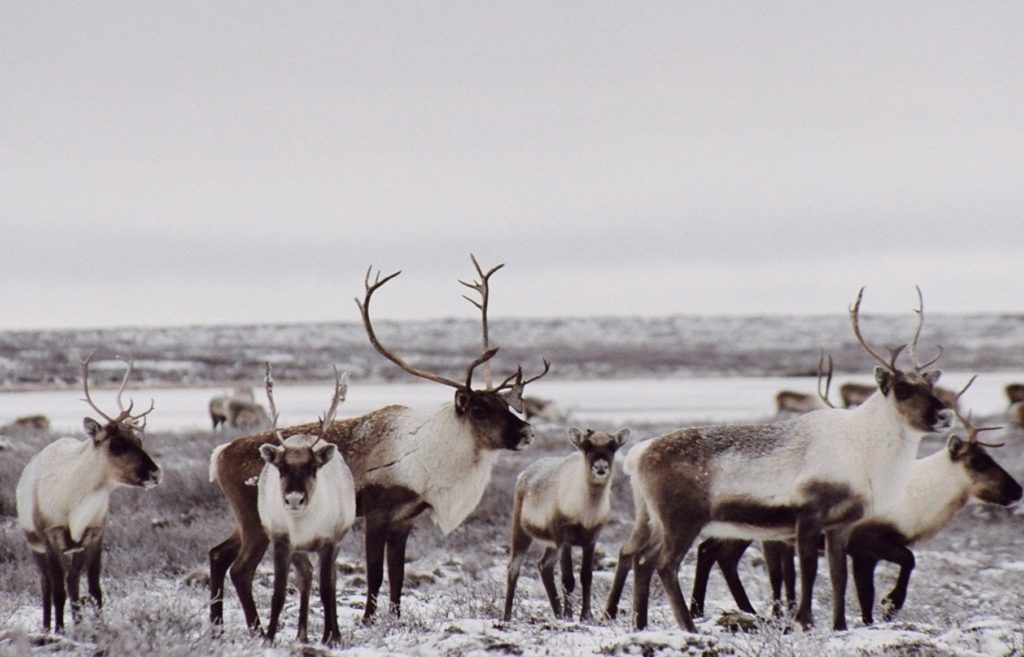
(577, 347)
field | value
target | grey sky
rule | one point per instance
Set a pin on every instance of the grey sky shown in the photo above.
(206, 162)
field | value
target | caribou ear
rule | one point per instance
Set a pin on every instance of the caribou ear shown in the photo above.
(462, 399)
(884, 379)
(94, 430)
(955, 446)
(576, 437)
(270, 452)
(620, 437)
(932, 377)
(514, 398)
(325, 454)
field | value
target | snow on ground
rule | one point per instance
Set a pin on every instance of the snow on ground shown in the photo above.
(966, 595)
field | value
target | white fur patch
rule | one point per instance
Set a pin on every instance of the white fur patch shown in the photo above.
(936, 491)
(67, 484)
(436, 456)
(214, 459)
(329, 513)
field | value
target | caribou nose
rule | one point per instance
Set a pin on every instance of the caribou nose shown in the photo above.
(945, 419)
(153, 479)
(295, 501)
(525, 437)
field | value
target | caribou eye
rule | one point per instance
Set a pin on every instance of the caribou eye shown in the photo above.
(478, 412)
(117, 447)
(902, 391)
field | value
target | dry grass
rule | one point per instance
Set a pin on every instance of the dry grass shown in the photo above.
(156, 560)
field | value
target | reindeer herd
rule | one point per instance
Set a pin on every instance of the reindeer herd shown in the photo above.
(848, 478)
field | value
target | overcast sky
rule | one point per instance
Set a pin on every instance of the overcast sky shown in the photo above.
(209, 162)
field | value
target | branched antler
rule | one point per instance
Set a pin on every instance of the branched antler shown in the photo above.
(340, 392)
(483, 288)
(972, 431)
(364, 309)
(855, 322)
(124, 414)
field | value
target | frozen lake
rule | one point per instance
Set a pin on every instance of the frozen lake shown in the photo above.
(621, 401)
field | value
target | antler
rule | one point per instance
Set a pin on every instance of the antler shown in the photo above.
(828, 380)
(483, 288)
(269, 382)
(917, 334)
(123, 413)
(364, 309)
(488, 353)
(340, 392)
(855, 322)
(972, 431)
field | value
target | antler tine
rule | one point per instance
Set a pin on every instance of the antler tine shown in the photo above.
(894, 354)
(85, 385)
(972, 431)
(482, 358)
(269, 383)
(828, 380)
(973, 437)
(483, 288)
(917, 334)
(507, 383)
(855, 322)
(142, 416)
(340, 392)
(518, 376)
(956, 405)
(547, 367)
(124, 382)
(364, 310)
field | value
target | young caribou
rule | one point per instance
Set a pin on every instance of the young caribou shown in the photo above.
(307, 503)
(404, 461)
(562, 502)
(64, 493)
(817, 473)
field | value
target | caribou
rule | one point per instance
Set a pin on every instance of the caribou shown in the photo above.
(940, 485)
(404, 462)
(816, 473)
(307, 502)
(563, 502)
(64, 493)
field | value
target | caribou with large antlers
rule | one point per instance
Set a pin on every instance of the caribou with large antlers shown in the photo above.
(64, 493)
(404, 461)
(817, 473)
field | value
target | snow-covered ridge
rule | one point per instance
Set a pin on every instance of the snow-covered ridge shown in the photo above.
(589, 347)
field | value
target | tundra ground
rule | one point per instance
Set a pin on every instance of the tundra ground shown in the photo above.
(966, 596)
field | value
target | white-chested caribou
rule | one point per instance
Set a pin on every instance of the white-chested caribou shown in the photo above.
(563, 502)
(817, 473)
(64, 493)
(404, 461)
(939, 486)
(307, 503)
